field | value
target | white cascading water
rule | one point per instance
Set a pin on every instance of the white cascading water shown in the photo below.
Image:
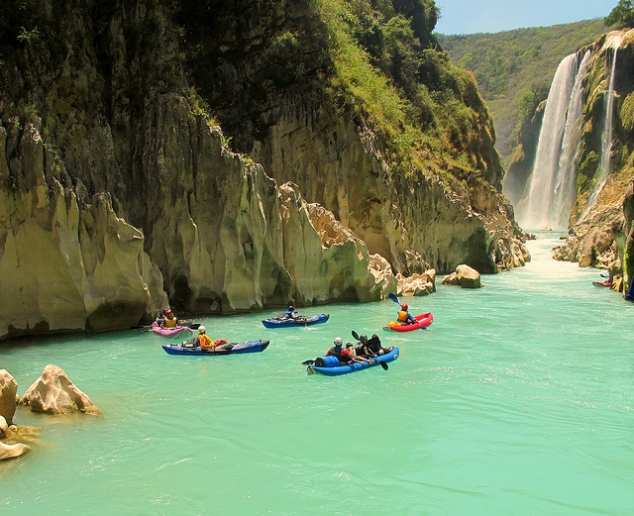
(613, 41)
(565, 191)
(551, 195)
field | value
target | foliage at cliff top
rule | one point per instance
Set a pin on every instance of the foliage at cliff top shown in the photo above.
(622, 15)
(387, 59)
(511, 65)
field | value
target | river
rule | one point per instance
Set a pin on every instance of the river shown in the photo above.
(517, 401)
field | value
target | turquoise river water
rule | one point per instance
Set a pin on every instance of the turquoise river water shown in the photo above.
(519, 400)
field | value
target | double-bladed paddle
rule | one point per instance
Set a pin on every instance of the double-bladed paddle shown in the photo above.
(395, 299)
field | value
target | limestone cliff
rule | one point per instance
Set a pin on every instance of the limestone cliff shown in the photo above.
(120, 193)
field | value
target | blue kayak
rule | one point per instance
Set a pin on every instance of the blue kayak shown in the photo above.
(234, 348)
(298, 321)
(352, 366)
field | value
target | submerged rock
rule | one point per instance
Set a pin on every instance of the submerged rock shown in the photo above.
(54, 393)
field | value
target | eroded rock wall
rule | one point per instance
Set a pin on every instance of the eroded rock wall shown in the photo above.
(119, 194)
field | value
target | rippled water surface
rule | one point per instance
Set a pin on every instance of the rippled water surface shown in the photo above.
(518, 401)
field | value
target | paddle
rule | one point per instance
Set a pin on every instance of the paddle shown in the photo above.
(395, 299)
(308, 362)
(383, 364)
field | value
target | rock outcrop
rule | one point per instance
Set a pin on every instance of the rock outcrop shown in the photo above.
(8, 393)
(54, 393)
(593, 241)
(326, 260)
(417, 284)
(464, 276)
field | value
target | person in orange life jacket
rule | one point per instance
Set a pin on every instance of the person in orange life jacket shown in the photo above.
(404, 317)
(205, 342)
(345, 356)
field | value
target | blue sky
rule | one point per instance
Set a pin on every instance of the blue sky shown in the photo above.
(469, 16)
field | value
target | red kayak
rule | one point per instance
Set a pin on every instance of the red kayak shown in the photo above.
(602, 283)
(424, 320)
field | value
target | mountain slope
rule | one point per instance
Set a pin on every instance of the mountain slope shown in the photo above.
(517, 64)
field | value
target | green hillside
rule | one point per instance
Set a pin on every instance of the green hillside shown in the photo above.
(515, 64)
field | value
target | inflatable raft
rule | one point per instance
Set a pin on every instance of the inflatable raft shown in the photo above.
(332, 366)
(424, 320)
(298, 321)
(179, 331)
(234, 348)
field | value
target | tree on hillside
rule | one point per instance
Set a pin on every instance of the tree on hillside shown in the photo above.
(622, 15)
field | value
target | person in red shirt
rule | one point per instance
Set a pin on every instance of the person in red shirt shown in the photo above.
(345, 355)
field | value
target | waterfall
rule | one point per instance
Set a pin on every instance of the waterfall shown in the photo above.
(552, 189)
(606, 141)
(565, 187)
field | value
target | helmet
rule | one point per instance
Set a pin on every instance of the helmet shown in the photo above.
(291, 308)
(202, 329)
(363, 338)
(168, 312)
(404, 306)
(338, 341)
(165, 310)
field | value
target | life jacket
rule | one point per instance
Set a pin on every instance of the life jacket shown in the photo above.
(171, 323)
(205, 341)
(402, 317)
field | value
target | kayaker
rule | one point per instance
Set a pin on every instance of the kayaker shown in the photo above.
(373, 346)
(345, 356)
(170, 319)
(290, 313)
(354, 358)
(359, 348)
(205, 342)
(160, 322)
(404, 317)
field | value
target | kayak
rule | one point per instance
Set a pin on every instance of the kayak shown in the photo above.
(179, 331)
(234, 348)
(602, 283)
(336, 370)
(424, 320)
(298, 321)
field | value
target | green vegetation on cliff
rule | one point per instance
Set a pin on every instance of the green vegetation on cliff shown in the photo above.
(514, 69)
(411, 93)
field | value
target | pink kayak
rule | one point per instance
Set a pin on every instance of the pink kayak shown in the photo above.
(171, 332)
(424, 320)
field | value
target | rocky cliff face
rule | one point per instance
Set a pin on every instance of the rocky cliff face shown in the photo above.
(119, 193)
(523, 157)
